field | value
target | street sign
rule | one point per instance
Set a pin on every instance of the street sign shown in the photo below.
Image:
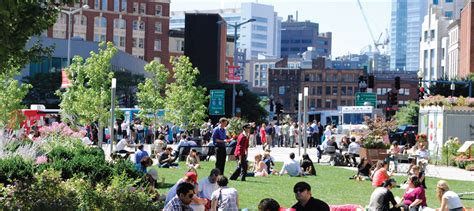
(232, 76)
(362, 97)
(217, 102)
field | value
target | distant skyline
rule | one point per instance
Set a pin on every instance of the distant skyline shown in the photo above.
(341, 17)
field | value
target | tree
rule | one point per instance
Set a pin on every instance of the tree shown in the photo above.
(20, 21)
(88, 99)
(185, 102)
(11, 96)
(44, 88)
(150, 93)
(408, 115)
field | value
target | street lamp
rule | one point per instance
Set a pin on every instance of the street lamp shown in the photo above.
(453, 87)
(421, 90)
(112, 112)
(300, 98)
(69, 15)
(305, 110)
(236, 26)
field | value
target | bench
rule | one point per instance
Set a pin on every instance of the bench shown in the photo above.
(204, 152)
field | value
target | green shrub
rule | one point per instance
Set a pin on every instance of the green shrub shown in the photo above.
(450, 151)
(12, 146)
(15, 168)
(127, 167)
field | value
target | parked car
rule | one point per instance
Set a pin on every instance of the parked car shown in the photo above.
(405, 134)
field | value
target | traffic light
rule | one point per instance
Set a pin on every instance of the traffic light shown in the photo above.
(397, 82)
(392, 99)
(361, 78)
(371, 82)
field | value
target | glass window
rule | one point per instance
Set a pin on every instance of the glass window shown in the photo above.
(435, 2)
(333, 103)
(141, 26)
(449, 1)
(334, 90)
(351, 118)
(158, 27)
(158, 10)
(328, 90)
(140, 42)
(349, 91)
(448, 14)
(116, 5)
(343, 90)
(327, 104)
(425, 36)
(157, 45)
(104, 5)
(135, 24)
(119, 23)
(432, 34)
(96, 4)
(319, 90)
(142, 8)
(379, 91)
(407, 91)
(80, 20)
(135, 7)
(318, 103)
(124, 5)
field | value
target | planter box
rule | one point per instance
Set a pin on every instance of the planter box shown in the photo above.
(373, 155)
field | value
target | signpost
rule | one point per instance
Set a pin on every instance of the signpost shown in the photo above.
(217, 102)
(362, 97)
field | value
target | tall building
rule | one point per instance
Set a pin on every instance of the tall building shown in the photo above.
(137, 27)
(433, 45)
(407, 17)
(451, 9)
(466, 51)
(453, 50)
(259, 37)
(296, 37)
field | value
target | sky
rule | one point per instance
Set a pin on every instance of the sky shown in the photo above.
(341, 17)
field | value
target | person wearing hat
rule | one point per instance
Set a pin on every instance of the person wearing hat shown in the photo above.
(191, 178)
(382, 197)
(218, 138)
(241, 152)
(305, 199)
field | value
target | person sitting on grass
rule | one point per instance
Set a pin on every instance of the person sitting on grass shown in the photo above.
(305, 199)
(192, 161)
(382, 197)
(363, 170)
(120, 148)
(307, 166)
(158, 145)
(414, 197)
(268, 204)
(352, 152)
(224, 198)
(182, 198)
(449, 200)
(268, 160)
(416, 170)
(381, 174)
(191, 178)
(145, 162)
(260, 167)
(291, 166)
(166, 160)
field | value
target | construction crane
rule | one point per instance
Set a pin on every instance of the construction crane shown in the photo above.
(377, 42)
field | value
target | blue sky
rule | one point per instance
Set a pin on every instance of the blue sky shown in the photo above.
(342, 17)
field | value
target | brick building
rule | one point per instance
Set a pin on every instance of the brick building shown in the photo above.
(385, 82)
(138, 27)
(466, 49)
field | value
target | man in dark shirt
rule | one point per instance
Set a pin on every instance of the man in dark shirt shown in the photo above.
(166, 160)
(218, 138)
(305, 200)
(382, 197)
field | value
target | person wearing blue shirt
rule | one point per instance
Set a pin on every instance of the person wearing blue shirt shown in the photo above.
(218, 138)
(140, 154)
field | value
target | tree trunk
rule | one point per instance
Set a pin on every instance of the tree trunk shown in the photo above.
(100, 135)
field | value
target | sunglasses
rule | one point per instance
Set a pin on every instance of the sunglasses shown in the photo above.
(299, 190)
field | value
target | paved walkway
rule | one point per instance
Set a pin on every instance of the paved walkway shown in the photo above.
(282, 153)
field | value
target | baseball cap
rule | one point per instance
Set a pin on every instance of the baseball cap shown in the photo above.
(192, 175)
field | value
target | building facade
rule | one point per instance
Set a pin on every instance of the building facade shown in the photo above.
(137, 27)
(407, 17)
(466, 50)
(296, 37)
(433, 45)
(453, 50)
(384, 82)
(451, 9)
(259, 37)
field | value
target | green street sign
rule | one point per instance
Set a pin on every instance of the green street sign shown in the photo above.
(217, 102)
(362, 97)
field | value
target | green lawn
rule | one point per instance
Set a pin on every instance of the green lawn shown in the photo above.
(331, 185)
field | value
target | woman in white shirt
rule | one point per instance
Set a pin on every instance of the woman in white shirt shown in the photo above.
(449, 199)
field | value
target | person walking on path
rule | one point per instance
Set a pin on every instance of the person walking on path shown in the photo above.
(241, 152)
(218, 138)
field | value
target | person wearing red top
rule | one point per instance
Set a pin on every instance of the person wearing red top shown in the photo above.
(263, 135)
(241, 152)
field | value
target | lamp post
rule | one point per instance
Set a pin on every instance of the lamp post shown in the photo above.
(305, 110)
(300, 98)
(112, 111)
(236, 26)
(453, 87)
(420, 83)
(69, 17)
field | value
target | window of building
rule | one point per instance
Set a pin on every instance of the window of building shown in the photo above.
(96, 4)
(318, 103)
(379, 91)
(116, 5)
(449, 1)
(306, 77)
(334, 90)
(327, 104)
(343, 91)
(158, 27)
(119, 24)
(99, 37)
(256, 82)
(343, 102)
(328, 90)
(295, 41)
(435, 2)
(104, 5)
(285, 41)
(80, 20)
(259, 28)
(319, 90)
(448, 14)
(333, 103)
(100, 22)
(259, 45)
(432, 34)
(123, 5)
(119, 41)
(157, 45)
(306, 41)
(142, 8)
(349, 91)
(425, 36)
(284, 49)
(158, 10)
(295, 49)
(141, 42)
(135, 7)
(141, 57)
(138, 25)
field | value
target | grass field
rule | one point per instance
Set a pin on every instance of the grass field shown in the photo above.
(331, 185)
